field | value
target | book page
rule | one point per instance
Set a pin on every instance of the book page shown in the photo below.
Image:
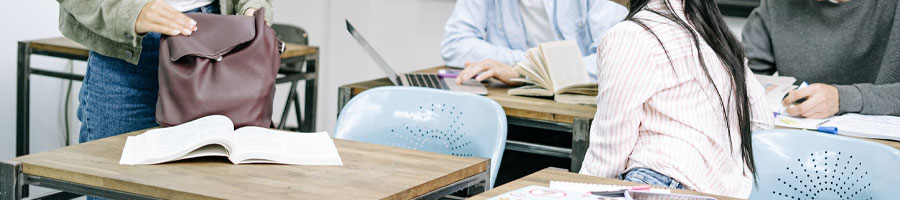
(564, 64)
(538, 65)
(535, 192)
(868, 126)
(262, 145)
(530, 90)
(784, 120)
(576, 99)
(590, 187)
(589, 89)
(776, 88)
(528, 70)
(177, 142)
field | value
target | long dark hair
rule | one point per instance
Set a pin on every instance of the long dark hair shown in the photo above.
(706, 19)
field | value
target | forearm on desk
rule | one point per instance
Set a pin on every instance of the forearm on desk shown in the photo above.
(870, 99)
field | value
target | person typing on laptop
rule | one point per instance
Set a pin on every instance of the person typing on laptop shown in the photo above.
(487, 37)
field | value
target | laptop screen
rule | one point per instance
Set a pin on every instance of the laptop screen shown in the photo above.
(391, 74)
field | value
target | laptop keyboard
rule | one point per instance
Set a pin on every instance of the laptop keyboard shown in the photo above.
(427, 80)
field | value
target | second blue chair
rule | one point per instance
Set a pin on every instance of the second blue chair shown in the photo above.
(425, 119)
(794, 164)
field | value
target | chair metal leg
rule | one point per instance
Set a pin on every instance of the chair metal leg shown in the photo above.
(22, 99)
(287, 105)
(309, 112)
(11, 182)
(581, 129)
(298, 110)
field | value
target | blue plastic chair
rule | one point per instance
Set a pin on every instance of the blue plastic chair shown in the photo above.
(795, 164)
(426, 119)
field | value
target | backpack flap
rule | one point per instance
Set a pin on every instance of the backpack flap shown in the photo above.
(216, 35)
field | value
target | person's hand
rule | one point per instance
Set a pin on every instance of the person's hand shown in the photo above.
(250, 11)
(488, 69)
(822, 101)
(158, 16)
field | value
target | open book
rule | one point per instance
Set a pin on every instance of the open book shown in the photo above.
(555, 69)
(215, 136)
(866, 126)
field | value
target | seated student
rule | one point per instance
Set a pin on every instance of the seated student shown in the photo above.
(847, 49)
(676, 103)
(490, 36)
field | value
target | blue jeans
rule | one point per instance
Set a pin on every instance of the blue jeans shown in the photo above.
(650, 177)
(119, 97)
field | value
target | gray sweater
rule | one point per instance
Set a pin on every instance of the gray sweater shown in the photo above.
(854, 45)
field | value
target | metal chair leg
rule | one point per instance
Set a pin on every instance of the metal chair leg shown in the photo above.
(297, 110)
(287, 105)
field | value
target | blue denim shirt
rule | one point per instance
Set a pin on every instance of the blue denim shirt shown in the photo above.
(493, 29)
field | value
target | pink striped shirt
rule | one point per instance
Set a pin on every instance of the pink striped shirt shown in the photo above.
(666, 116)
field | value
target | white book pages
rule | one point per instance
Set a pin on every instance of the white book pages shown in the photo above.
(564, 64)
(867, 126)
(261, 145)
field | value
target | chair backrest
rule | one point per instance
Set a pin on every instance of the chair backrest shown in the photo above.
(292, 34)
(426, 119)
(795, 164)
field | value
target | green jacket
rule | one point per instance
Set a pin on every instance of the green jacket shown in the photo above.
(107, 26)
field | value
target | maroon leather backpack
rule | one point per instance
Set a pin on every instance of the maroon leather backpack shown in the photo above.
(227, 67)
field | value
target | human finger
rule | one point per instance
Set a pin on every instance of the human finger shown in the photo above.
(486, 75)
(469, 72)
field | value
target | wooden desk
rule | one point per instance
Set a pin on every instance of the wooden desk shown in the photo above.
(370, 171)
(522, 111)
(543, 178)
(292, 60)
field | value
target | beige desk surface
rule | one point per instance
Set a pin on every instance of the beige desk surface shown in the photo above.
(516, 106)
(369, 172)
(67, 46)
(543, 178)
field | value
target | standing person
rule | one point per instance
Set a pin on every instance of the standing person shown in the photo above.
(120, 87)
(847, 49)
(490, 36)
(676, 103)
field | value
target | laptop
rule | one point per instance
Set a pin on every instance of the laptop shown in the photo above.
(428, 80)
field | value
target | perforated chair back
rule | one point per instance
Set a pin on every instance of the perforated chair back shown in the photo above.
(427, 119)
(795, 164)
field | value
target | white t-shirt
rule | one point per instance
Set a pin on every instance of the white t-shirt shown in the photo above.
(185, 5)
(537, 24)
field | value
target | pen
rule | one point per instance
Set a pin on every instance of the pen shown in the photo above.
(620, 193)
(826, 129)
(450, 73)
(798, 101)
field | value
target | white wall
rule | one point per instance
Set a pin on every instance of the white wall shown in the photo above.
(406, 32)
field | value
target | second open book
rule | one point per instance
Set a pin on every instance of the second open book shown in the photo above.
(215, 136)
(556, 69)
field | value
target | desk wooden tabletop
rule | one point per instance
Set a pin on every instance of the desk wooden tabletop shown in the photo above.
(517, 106)
(543, 178)
(66, 46)
(369, 172)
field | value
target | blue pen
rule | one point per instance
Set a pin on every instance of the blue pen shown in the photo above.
(828, 129)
